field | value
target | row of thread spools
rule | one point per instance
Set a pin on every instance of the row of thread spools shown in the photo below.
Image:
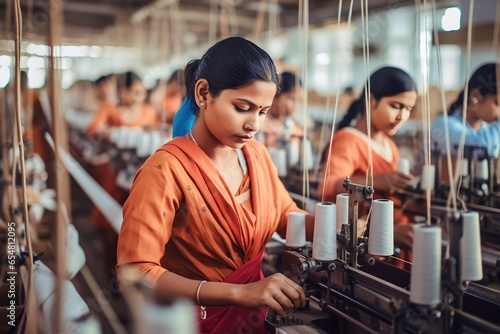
(427, 243)
(143, 141)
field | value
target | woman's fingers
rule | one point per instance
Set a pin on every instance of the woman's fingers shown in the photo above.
(295, 293)
(287, 293)
(277, 307)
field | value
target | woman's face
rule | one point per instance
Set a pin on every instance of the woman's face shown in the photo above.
(285, 104)
(236, 115)
(488, 109)
(135, 94)
(390, 112)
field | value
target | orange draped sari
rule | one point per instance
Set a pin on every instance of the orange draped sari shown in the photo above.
(181, 216)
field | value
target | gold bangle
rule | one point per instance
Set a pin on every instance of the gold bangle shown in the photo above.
(203, 312)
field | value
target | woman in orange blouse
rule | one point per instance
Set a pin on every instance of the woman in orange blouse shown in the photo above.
(131, 111)
(392, 96)
(202, 208)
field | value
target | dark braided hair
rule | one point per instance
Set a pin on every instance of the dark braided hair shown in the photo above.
(386, 81)
(484, 79)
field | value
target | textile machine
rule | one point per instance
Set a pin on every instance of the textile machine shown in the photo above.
(361, 293)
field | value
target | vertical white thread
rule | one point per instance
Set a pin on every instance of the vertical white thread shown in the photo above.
(334, 122)
(453, 195)
(457, 176)
(366, 60)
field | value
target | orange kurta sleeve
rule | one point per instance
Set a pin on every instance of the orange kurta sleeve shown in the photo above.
(148, 217)
(106, 115)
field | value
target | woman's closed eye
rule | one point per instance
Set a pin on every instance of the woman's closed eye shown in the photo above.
(262, 112)
(401, 107)
(242, 109)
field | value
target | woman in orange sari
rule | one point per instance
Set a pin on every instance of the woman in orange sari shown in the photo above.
(392, 96)
(202, 208)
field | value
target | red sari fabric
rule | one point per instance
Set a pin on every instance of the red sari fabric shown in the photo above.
(234, 319)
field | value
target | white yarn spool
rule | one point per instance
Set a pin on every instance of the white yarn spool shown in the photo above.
(133, 137)
(404, 166)
(296, 230)
(481, 169)
(44, 281)
(325, 238)
(278, 156)
(114, 136)
(428, 175)
(37, 210)
(172, 319)
(75, 256)
(293, 153)
(342, 209)
(72, 308)
(381, 241)
(426, 271)
(464, 170)
(306, 155)
(143, 146)
(470, 248)
(156, 141)
(122, 140)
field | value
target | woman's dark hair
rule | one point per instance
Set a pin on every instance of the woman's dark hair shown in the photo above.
(127, 79)
(288, 81)
(386, 81)
(177, 75)
(103, 78)
(484, 79)
(232, 63)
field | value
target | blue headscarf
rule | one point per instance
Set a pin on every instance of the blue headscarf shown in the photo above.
(184, 118)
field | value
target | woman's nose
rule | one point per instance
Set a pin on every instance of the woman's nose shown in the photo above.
(252, 124)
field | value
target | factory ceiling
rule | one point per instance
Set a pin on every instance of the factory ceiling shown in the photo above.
(186, 23)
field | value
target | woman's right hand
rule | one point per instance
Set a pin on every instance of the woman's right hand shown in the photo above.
(277, 291)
